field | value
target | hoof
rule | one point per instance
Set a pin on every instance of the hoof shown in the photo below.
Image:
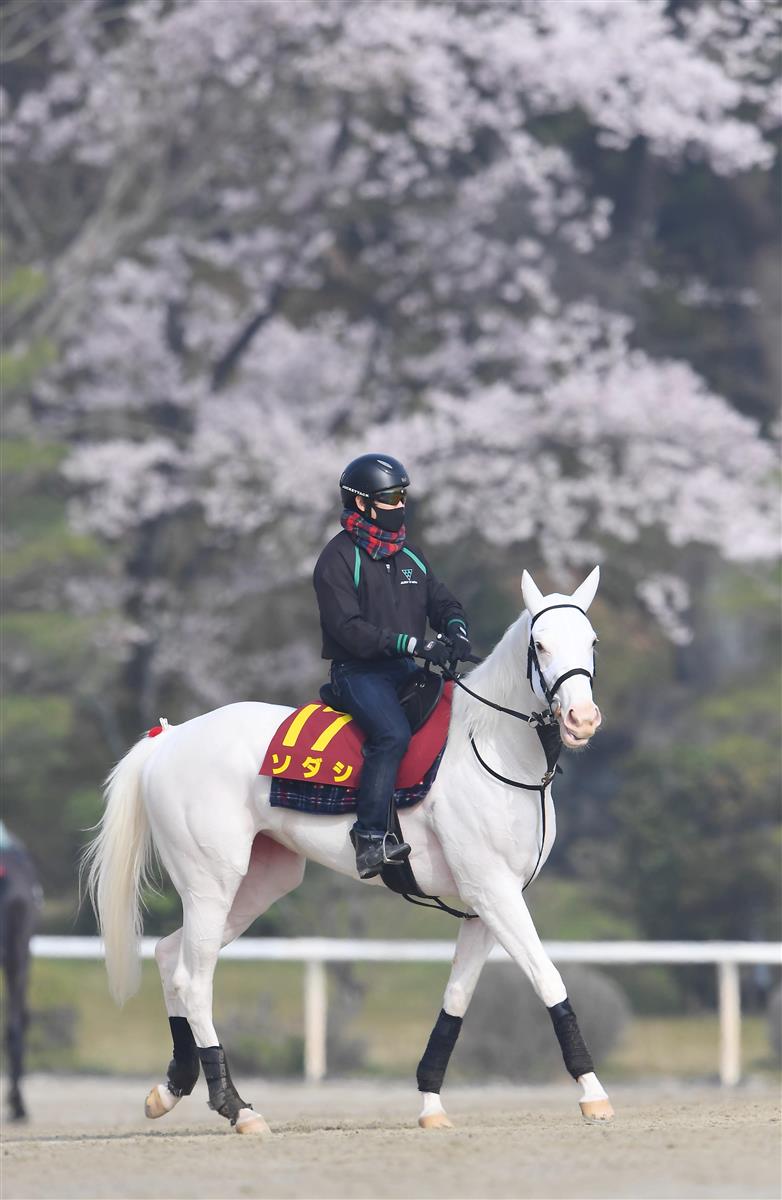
(251, 1122)
(596, 1112)
(437, 1120)
(159, 1102)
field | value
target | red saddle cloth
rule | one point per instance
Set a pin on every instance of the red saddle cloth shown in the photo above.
(318, 744)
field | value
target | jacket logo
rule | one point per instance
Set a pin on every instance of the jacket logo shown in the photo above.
(408, 576)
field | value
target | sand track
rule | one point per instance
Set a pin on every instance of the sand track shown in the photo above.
(89, 1138)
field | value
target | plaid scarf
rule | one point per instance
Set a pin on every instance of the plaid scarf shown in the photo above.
(377, 542)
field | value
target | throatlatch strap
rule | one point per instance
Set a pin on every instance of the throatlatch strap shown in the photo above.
(433, 1065)
(578, 1060)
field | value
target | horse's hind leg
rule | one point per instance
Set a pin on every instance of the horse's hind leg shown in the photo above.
(472, 949)
(273, 871)
(185, 1065)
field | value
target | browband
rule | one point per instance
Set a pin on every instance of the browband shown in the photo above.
(551, 608)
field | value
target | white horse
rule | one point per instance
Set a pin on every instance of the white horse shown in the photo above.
(485, 828)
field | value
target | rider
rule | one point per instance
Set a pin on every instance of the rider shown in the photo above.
(375, 593)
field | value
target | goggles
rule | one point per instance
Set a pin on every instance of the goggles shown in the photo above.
(392, 496)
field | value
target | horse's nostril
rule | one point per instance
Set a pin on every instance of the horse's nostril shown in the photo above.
(575, 722)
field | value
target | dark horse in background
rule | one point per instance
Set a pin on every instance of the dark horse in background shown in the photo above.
(20, 902)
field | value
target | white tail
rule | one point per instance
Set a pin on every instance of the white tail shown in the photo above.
(117, 866)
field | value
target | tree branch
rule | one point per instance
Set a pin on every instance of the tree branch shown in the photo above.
(44, 35)
(226, 363)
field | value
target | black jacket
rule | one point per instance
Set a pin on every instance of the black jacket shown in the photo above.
(366, 604)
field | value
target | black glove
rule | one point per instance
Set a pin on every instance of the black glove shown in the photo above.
(435, 651)
(457, 633)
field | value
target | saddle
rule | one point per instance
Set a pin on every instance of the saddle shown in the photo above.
(419, 697)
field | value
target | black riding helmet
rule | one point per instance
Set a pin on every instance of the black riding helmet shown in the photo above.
(370, 474)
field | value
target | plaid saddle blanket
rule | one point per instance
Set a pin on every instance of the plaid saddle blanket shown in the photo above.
(331, 799)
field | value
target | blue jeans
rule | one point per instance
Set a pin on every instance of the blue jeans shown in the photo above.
(370, 693)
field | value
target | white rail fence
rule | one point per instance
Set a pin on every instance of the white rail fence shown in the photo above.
(316, 953)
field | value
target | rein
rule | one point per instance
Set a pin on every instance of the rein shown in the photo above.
(541, 720)
(538, 718)
(529, 787)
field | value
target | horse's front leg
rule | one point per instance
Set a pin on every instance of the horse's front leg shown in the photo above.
(501, 906)
(17, 967)
(472, 949)
(17, 1017)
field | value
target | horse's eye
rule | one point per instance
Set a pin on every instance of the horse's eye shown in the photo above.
(539, 646)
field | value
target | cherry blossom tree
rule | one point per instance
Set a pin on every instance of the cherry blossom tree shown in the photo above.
(278, 234)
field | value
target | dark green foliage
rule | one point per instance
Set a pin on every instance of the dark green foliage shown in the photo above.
(52, 681)
(699, 834)
(675, 813)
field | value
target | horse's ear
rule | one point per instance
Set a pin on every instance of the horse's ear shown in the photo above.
(585, 593)
(533, 597)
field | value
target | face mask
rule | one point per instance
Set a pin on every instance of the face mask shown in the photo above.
(389, 519)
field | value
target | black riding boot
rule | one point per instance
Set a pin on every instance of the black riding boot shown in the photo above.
(374, 850)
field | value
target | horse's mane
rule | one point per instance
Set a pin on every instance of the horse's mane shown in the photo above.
(501, 677)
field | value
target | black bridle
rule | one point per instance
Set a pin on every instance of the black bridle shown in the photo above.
(542, 722)
(532, 660)
(539, 720)
(536, 718)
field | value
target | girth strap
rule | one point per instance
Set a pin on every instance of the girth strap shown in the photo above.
(400, 879)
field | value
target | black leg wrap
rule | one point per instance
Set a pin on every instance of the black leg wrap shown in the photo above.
(184, 1068)
(578, 1060)
(433, 1065)
(223, 1096)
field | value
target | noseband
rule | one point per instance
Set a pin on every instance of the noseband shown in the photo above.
(532, 660)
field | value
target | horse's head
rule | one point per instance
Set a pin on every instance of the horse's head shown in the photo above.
(561, 657)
